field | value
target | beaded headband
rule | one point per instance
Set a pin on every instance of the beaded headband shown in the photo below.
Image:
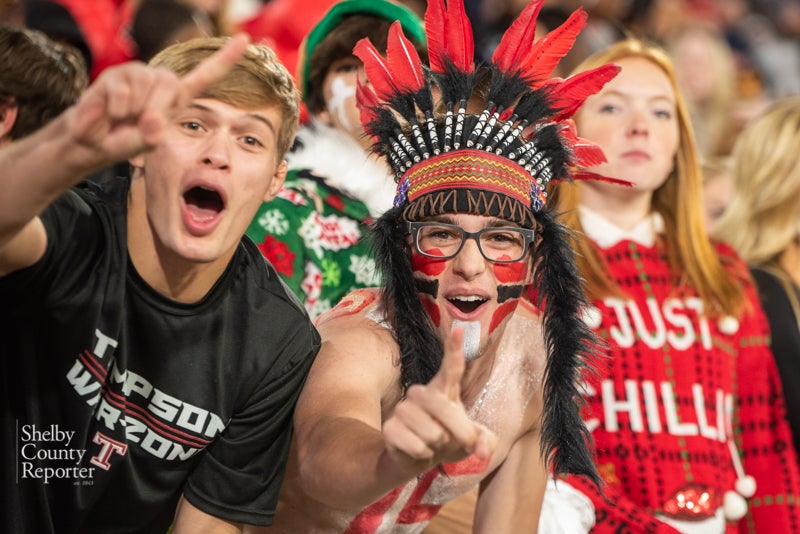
(497, 162)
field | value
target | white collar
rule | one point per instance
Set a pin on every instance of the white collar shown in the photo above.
(606, 234)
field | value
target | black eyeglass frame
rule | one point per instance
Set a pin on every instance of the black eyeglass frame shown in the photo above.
(413, 228)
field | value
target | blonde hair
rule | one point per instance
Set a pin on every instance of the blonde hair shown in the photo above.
(257, 80)
(763, 217)
(692, 257)
(711, 116)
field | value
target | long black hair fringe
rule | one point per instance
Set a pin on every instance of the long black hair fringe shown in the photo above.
(421, 350)
(570, 344)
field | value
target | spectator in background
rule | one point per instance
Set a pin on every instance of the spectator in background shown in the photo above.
(55, 21)
(762, 222)
(706, 72)
(717, 189)
(159, 23)
(104, 26)
(686, 412)
(12, 12)
(41, 78)
(217, 11)
(316, 231)
(282, 27)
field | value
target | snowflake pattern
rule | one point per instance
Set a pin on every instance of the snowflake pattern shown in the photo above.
(331, 273)
(274, 222)
(365, 271)
(321, 233)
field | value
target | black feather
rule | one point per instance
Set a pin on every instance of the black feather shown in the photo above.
(505, 89)
(454, 84)
(421, 350)
(570, 344)
(533, 106)
(549, 141)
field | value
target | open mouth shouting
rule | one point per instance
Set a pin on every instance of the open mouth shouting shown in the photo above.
(467, 304)
(203, 205)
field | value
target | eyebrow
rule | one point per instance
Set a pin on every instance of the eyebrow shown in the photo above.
(256, 116)
(620, 94)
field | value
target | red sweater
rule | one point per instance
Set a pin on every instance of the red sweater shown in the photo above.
(677, 385)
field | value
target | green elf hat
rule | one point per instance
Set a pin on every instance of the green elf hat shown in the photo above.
(410, 22)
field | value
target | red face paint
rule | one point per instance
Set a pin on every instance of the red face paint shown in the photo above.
(432, 308)
(508, 273)
(502, 311)
(426, 265)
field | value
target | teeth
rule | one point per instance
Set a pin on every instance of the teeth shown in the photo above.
(467, 298)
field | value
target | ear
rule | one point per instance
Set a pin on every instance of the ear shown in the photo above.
(277, 181)
(8, 116)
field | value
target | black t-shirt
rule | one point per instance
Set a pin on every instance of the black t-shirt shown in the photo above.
(116, 399)
(785, 341)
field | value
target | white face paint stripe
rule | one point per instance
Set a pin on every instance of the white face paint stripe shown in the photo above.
(472, 338)
(341, 92)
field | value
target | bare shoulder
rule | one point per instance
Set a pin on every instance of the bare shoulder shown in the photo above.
(358, 352)
(356, 324)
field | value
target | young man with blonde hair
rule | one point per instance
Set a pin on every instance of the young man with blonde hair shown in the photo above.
(151, 358)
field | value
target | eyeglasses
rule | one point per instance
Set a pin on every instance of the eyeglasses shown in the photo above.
(440, 240)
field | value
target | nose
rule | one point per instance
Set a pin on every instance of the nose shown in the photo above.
(638, 123)
(216, 151)
(469, 262)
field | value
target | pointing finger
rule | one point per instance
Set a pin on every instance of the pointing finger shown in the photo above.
(451, 370)
(215, 66)
(167, 96)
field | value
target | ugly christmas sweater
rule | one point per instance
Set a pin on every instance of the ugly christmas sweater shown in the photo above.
(316, 231)
(680, 398)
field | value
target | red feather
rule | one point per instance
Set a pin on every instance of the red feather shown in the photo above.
(376, 68)
(548, 51)
(435, 31)
(367, 101)
(458, 33)
(517, 40)
(403, 61)
(588, 175)
(570, 94)
(587, 153)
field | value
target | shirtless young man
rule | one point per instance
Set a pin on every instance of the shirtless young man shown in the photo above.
(448, 377)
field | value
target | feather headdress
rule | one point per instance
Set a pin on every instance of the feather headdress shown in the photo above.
(496, 161)
(519, 133)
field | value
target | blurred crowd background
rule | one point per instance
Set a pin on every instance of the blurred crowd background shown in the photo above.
(733, 56)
